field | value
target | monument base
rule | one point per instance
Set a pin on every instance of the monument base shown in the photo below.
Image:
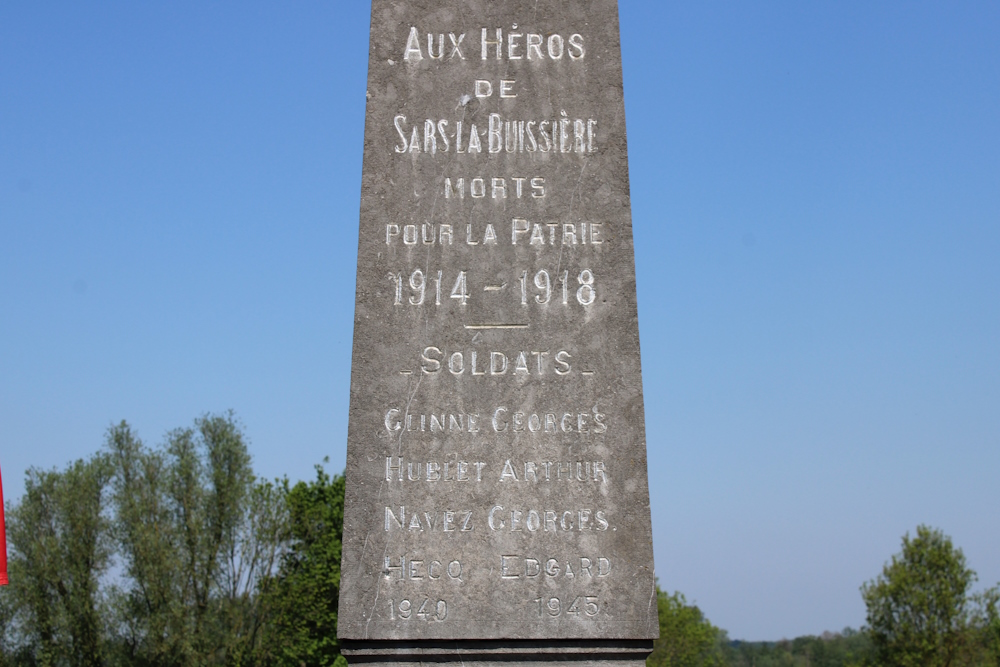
(493, 653)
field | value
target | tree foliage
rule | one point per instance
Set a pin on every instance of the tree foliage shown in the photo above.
(831, 649)
(198, 533)
(179, 556)
(61, 547)
(687, 638)
(303, 597)
(921, 612)
(196, 537)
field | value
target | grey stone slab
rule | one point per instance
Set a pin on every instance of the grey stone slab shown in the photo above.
(496, 471)
(463, 661)
(482, 653)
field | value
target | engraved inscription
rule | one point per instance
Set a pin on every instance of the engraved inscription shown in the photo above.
(585, 294)
(525, 232)
(496, 188)
(434, 360)
(516, 566)
(503, 420)
(398, 470)
(415, 291)
(405, 610)
(418, 569)
(500, 134)
(531, 520)
(521, 44)
(496, 470)
(433, 471)
(585, 605)
(445, 521)
(555, 471)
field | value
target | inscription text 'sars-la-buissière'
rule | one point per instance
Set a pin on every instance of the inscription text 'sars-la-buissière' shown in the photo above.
(496, 473)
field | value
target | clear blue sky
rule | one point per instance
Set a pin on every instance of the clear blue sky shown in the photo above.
(816, 199)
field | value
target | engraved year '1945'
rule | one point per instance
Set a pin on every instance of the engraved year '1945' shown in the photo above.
(539, 289)
(580, 606)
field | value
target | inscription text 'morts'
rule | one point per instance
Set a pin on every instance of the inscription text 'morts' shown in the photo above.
(495, 187)
(516, 45)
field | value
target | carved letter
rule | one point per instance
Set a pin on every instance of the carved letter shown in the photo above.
(413, 46)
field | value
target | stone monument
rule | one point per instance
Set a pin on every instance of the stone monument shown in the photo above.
(497, 500)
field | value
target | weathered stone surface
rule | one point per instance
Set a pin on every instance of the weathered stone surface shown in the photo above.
(496, 473)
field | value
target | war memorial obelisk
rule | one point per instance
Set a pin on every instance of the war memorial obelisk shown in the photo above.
(497, 501)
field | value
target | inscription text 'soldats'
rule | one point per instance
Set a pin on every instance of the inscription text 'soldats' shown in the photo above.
(496, 475)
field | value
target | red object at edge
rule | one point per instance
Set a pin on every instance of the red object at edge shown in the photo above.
(3, 542)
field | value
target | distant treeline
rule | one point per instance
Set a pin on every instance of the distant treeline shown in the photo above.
(688, 639)
(830, 649)
(921, 613)
(180, 556)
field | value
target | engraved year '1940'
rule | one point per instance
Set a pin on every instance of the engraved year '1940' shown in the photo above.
(538, 289)
(404, 610)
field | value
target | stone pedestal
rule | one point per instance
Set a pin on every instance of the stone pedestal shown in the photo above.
(494, 654)
(497, 501)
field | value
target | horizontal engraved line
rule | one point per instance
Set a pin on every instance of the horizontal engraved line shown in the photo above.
(494, 288)
(586, 372)
(497, 326)
(406, 372)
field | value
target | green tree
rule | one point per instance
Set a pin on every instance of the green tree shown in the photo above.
(987, 620)
(831, 649)
(213, 565)
(303, 597)
(687, 638)
(61, 546)
(920, 611)
(197, 533)
(149, 608)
